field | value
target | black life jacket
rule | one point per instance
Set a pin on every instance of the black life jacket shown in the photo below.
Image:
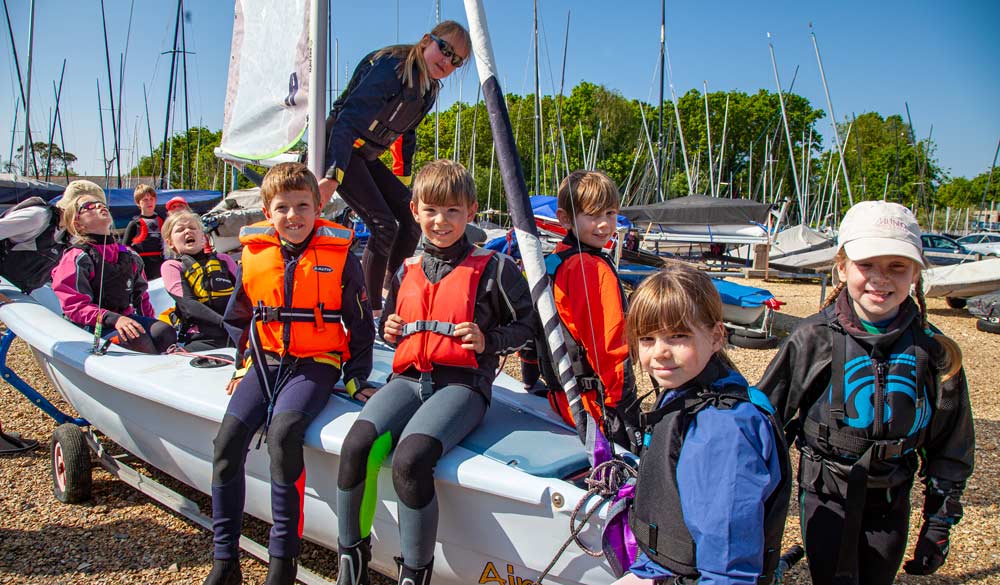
(208, 281)
(402, 112)
(114, 291)
(656, 517)
(30, 269)
(149, 240)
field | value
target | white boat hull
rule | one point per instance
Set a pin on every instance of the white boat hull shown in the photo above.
(496, 519)
(963, 280)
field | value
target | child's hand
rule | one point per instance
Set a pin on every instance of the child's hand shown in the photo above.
(392, 328)
(231, 386)
(128, 329)
(472, 337)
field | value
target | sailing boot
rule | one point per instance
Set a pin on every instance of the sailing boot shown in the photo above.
(225, 572)
(353, 564)
(411, 576)
(281, 570)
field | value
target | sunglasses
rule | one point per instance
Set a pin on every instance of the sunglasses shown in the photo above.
(447, 51)
(91, 206)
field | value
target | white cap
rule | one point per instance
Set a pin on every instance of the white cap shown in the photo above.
(880, 228)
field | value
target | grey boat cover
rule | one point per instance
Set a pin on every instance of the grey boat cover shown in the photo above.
(700, 209)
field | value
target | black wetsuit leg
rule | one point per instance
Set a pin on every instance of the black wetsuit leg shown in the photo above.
(881, 544)
(383, 202)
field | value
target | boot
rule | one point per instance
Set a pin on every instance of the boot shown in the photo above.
(281, 570)
(353, 564)
(411, 576)
(225, 572)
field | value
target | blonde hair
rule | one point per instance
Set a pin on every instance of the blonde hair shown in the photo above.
(412, 56)
(171, 222)
(290, 176)
(141, 190)
(71, 208)
(588, 192)
(678, 298)
(952, 352)
(444, 182)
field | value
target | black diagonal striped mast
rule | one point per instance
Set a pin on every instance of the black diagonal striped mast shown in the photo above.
(519, 207)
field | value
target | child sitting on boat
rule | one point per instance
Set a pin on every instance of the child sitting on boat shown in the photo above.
(144, 233)
(299, 348)
(450, 313)
(714, 478)
(199, 280)
(871, 392)
(591, 306)
(99, 282)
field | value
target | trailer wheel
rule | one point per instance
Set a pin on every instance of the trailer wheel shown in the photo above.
(769, 342)
(956, 303)
(987, 326)
(71, 467)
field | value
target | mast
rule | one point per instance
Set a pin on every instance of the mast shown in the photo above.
(538, 110)
(170, 94)
(659, 131)
(833, 120)
(708, 134)
(989, 179)
(519, 207)
(27, 100)
(104, 148)
(149, 130)
(20, 87)
(111, 96)
(52, 130)
(317, 87)
(186, 161)
(788, 133)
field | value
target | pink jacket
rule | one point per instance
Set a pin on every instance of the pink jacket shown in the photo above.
(71, 280)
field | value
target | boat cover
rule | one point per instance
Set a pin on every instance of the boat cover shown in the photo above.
(15, 188)
(700, 209)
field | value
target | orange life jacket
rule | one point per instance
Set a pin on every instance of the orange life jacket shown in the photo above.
(309, 324)
(431, 312)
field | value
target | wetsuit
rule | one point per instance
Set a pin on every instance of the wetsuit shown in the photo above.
(591, 306)
(308, 311)
(866, 407)
(106, 280)
(201, 286)
(143, 234)
(375, 112)
(714, 483)
(423, 414)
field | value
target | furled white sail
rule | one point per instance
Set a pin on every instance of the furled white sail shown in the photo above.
(266, 95)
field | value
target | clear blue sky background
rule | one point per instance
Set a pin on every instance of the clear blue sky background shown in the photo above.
(941, 57)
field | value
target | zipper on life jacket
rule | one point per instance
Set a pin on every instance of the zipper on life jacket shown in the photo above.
(878, 399)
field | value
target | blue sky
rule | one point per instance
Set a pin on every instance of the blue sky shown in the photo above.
(940, 57)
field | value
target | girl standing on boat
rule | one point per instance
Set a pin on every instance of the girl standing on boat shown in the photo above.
(450, 313)
(389, 94)
(714, 478)
(871, 391)
(199, 280)
(101, 281)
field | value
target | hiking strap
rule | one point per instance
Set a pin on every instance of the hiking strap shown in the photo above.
(440, 327)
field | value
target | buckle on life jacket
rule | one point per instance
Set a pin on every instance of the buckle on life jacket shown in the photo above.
(440, 327)
(266, 314)
(889, 449)
(588, 383)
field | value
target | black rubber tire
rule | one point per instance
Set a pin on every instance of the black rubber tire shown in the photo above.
(987, 326)
(745, 342)
(956, 303)
(71, 465)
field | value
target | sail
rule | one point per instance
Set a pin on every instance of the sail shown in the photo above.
(266, 95)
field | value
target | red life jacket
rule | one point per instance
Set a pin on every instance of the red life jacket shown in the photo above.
(431, 312)
(146, 242)
(308, 324)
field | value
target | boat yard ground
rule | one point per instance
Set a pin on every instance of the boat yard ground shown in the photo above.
(121, 536)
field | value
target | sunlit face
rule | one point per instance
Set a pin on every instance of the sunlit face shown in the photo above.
(879, 285)
(674, 358)
(92, 216)
(443, 225)
(293, 215)
(440, 65)
(592, 229)
(147, 203)
(187, 237)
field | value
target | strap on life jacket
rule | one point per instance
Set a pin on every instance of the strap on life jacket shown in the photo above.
(440, 327)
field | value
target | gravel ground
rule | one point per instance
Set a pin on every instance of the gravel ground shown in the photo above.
(121, 536)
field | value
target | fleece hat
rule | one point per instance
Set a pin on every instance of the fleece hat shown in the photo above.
(79, 188)
(880, 228)
(176, 202)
